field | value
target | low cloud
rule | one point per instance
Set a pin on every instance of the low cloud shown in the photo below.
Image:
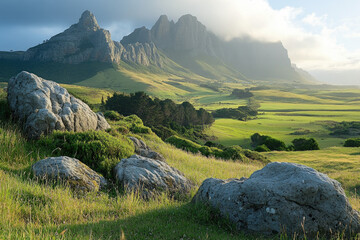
(311, 41)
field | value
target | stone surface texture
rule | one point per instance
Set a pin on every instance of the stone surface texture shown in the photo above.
(143, 150)
(150, 177)
(69, 171)
(282, 197)
(44, 106)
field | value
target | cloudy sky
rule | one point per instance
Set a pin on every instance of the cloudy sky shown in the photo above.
(321, 36)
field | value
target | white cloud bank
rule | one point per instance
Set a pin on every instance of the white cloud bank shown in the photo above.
(312, 44)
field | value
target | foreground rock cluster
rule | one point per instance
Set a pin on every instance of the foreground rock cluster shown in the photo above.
(44, 106)
(282, 198)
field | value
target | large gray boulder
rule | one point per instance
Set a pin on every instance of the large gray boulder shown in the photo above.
(282, 197)
(44, 106)
(150, 177)
(143, 150)
(69, 171)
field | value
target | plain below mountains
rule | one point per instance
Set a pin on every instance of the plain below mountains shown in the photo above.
(179, 57)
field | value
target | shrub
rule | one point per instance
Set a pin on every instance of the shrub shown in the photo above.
(184, 144)
(99, 150)
(275, 144)
(140, 129)
(262, 148)
(303, 144)
(235, 153)
(255, 156)
(205, 150)
(213, 144)
(271, 143)
(131, 123)
(352, 142)
(113, 115)
(242, 93)
(241, 113)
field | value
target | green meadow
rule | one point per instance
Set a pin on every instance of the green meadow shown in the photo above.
(287, 115)
(29, 210)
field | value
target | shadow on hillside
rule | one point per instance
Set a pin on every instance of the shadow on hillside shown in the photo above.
(184, 222)
(355, 154)
(58, 72)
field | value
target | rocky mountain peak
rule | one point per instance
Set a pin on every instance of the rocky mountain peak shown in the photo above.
(140, 35)
(188, 19)
(163, 19)
(88, 21)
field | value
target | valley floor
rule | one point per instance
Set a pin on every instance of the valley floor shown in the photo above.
(29, 210)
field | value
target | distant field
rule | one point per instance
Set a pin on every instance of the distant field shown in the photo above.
(280, 119)
(284, 113)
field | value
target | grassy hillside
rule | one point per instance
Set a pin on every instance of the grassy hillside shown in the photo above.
(29, 210)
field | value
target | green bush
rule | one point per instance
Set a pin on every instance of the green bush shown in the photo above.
(255, 156)
(113, 115)
(303, 144)
(262, 148)
(235, 153)
(205, 150)
(271, 143)
(213, 144)
(184, 144)
(140, 129)
(275, 144)
(130, 123)
(352, 142)
(99, 150)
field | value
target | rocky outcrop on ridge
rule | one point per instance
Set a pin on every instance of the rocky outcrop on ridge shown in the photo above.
(86, 41)
(69, 171)
(44, 106)
(150, 177)
(282, 197)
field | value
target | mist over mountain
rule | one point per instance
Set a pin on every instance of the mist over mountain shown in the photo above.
(188, 39)
(185, 45)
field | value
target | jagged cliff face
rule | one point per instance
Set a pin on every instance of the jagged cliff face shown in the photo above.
(186, 42)
(257, 60)
(187, 34)
(87, 42)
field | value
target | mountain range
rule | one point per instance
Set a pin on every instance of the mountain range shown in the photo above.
(184, 50)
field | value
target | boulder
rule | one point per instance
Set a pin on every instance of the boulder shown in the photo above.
(150, 177)
(44, 106)
(69, 171)
(282, 197)
(143, 150)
